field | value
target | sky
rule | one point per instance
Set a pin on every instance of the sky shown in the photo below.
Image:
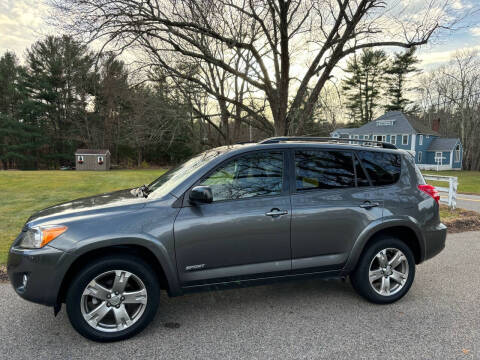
(22, 22)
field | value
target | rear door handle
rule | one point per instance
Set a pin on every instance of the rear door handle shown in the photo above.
(276, 212)
(368, 204)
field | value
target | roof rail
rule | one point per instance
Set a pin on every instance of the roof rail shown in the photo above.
(371, 143)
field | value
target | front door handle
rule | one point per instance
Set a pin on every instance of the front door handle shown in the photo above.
(276, 212)
(369, 204)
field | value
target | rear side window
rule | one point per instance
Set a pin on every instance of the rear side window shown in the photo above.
(316, 169)
(382, 168)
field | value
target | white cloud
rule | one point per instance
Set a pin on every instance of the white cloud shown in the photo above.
(438, 57)
(475, 31)
(21, 23)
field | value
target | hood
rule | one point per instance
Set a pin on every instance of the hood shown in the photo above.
(93, 204)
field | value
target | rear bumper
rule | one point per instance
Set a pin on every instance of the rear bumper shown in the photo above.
(39, 266)
(435, 241)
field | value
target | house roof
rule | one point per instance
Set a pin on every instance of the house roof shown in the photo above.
(400, 124)
(92, 152)
(344, 130)
(443, 144)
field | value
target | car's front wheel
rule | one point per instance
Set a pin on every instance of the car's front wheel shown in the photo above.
(113, 298)
(385, 271)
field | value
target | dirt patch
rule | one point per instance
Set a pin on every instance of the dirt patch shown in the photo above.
(460, 220)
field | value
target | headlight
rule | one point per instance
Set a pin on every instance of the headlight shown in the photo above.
(39, 236)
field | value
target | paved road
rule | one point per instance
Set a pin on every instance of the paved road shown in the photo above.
(438, 319)
(469, 202)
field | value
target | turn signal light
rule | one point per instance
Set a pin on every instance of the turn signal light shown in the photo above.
(430, 190)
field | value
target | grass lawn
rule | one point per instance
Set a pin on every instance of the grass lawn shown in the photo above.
(24, 192)
(468, 181)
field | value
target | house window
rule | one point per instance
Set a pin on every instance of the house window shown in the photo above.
(356, 137)
(381, 138)
(439, 157)
(419, 157)
(393, 139)
(457, 153)
(420, 140)
(365, 137)
(404, 139)
(80, 159)
(100, 160)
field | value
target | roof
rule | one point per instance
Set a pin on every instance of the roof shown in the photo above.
(92, 152)
(344, 130)
(443, 144)
(396, 122)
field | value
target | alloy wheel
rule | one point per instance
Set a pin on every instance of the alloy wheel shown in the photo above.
(388, 271)
(113, 301)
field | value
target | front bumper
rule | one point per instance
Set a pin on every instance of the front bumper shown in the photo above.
(435, 241)
(40, 266)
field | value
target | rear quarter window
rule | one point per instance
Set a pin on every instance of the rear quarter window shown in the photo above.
(382, 168)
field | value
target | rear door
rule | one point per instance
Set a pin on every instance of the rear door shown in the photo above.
(332, 202)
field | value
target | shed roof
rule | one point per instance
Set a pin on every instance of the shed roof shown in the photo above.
(92, 152)
(443, 144)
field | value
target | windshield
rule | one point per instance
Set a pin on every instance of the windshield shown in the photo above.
(168, 181)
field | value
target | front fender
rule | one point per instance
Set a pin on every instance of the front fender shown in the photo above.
(149, 243)
(377, 226)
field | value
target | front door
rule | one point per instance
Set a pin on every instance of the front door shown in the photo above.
(331, 206)
(245, 231)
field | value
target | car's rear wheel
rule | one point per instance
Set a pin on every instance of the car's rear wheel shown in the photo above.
(385, 271)
(113, 298)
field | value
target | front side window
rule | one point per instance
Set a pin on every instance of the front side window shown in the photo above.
(405, 140)
(80, 159)
(420, 140)
(382, 168)
(419, 156)
(316, 169)
(257, 174)
(393, 139)
(100, 160)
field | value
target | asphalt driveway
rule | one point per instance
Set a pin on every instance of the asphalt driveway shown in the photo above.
(315, 319)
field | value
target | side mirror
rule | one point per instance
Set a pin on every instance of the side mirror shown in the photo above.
(201, 195)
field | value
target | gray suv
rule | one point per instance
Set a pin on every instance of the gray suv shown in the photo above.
(281, 209)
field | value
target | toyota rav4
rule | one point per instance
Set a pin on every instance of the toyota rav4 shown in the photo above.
(281, 209)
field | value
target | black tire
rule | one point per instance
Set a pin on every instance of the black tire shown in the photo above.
(360, 276)
(132, 264)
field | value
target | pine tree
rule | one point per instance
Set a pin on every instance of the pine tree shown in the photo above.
(362, 88)
(401, 67)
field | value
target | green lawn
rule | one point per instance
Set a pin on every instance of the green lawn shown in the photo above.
(468, 181)
(24, 192)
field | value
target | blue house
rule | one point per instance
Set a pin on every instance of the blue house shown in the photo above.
(431, 151)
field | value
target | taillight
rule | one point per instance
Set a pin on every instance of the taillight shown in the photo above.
(430, 190)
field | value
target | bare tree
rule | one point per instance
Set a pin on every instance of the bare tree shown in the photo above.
(278, 35)
(452, 93)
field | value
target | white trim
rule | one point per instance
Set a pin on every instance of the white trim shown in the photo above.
(393, 136)
(420, 139)
(413, 144)
(80, 158)
(434, 167)
(91, 154)
(384, 138)
(457, 152)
